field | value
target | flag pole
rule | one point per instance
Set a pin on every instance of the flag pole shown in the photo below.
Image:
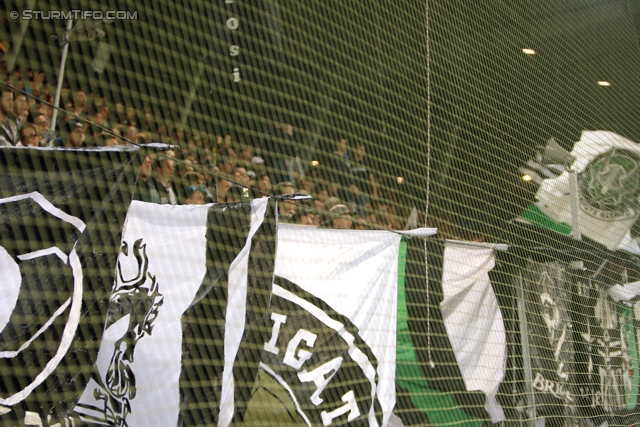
(56, 99)
(575, 215)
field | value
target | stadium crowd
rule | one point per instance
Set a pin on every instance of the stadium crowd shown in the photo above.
(343, 189)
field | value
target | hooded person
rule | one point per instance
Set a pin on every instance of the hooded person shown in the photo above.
(340, 217)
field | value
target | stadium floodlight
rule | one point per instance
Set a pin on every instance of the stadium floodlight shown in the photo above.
(529, 175)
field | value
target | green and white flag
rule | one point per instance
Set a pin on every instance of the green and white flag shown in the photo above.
(608, 168)
(332, 350)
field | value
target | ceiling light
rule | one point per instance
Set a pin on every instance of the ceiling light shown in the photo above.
(603, 83)
(527, 178)
(528, 51)
(400, 180)
(314, 163)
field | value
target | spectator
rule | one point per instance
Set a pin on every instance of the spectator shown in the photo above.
(224, 164)
(245, 161)
(45, 92)
(372, 218)
(246, 154)
(318, 204)
(120, 115)
(341, 149)
(80, 102)
(264, 184)
(8, 126)
(113, 137)
(29, 136)
(340, 217)
(41, 124)
(143, 138)
(195, 195)
(76, 137)
(146, 188)
(228, 141)
(387, 217)
(329, 203)
(236, 194)
(304, 217)
(180, 136)
(223, 185)
(105, 111)
(242, 177)
(279, 149)
(110, 140)
(218, 143)
(315, 218)
(303, 183)
(65, 91)
(203, 179)
(165, 169)
(71, 112)
(207, 143)
(162, 134)
(186, 168)
(360, 224)
(343, 185)
(257, 165)
(230, 153)
(36, 85)
(362, 169)
(131, 133)
(99, 123)
(364, 179)
(149, 121)
(20, 109)
(286, 208)
(131, 116)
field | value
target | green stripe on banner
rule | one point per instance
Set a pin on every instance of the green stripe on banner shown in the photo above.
(627, 330)
(440, 407)
(534, 215)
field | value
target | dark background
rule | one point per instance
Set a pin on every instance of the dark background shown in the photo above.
(439, 91)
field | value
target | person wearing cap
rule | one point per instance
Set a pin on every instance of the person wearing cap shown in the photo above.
(76, 137)
(340, 217)
(195, 195)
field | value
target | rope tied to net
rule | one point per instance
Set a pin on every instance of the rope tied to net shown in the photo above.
(426, 209)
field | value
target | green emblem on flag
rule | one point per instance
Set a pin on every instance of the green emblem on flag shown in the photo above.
(609, 186)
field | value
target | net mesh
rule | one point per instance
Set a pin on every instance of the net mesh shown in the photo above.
(510, 127)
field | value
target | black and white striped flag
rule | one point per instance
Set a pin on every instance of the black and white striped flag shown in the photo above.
(187, 316)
